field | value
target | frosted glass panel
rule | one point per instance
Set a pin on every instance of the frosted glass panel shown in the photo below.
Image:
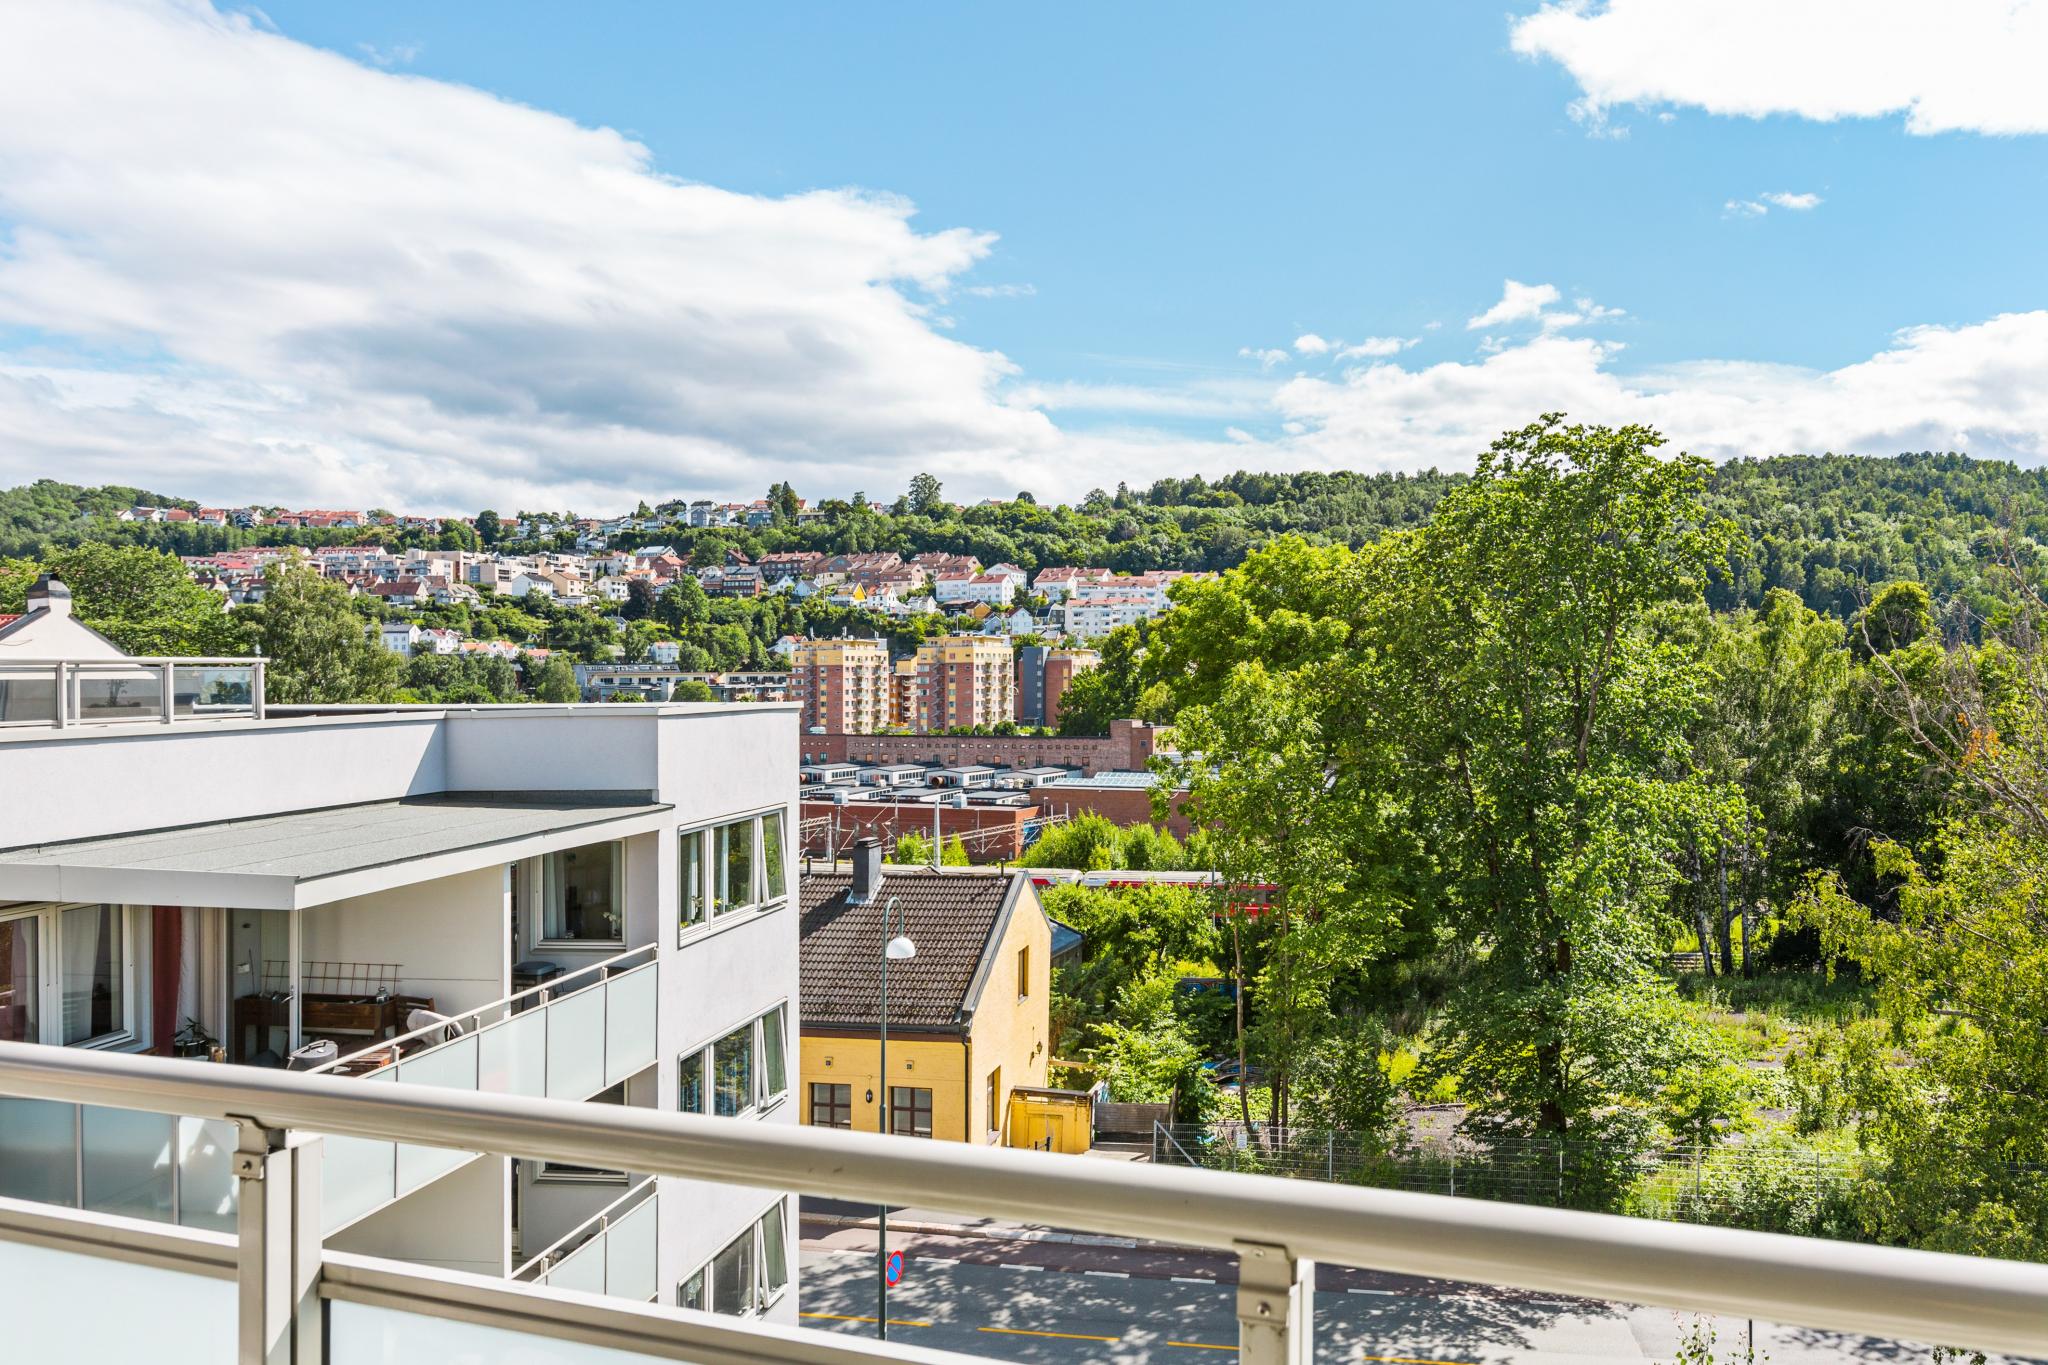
(582, 1269)
(206, 1176)
(452, 1066)
(128, 1160)
(358, 1334)
(629, 1024)
(69, 1307)
(514, 1055)
(576, 1046)
(38, 1159)
(629, 1255)
(356, 1174)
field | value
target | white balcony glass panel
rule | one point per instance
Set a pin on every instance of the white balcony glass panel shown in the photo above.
(582, 1269)
(357, 1174)
(126, 1162)
(452, 1066)
(513, 1055)
(629, 1024)
(71, 1307)
(40, 1140)
(206, 1174)
(629, 1254)
(576, 1045)
(359, 1334)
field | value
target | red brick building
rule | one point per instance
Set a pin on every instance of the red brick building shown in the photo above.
(1128, 747)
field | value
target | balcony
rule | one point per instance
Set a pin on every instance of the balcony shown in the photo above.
(613, 1253)
(61, 693)
(271, 1293)
(567, 1040)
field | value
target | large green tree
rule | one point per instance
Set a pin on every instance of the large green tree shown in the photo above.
(142, 600)
(318, 646)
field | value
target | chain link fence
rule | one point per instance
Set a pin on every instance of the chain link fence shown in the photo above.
(1771, 1183)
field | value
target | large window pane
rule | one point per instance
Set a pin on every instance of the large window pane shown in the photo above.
(690, 1293)
(580, 895)
(775, 883)
(690, 877)
(774, 1256)
(732, 1066)
(19, 971)
(831, 1105)
(690, 1083)
(732, 1276)
(92, 987)
(774, 1075)
(735, 866)
(910, 1110)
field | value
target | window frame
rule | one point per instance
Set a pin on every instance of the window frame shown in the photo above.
(1024, 972)
(833, 1107)
(536, 895)
(130, 962)
(759, 1098)
(913, 1108)
(759, 1295)
(765, 892)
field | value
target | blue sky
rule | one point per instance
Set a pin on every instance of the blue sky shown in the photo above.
(1123, 216)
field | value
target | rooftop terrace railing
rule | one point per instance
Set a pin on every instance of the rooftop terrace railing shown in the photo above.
(287, 1289)
(63, 693)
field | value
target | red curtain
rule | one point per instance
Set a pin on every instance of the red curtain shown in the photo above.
(166, 973)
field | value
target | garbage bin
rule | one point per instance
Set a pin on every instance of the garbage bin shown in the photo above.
(317, 1053)
(528, 974)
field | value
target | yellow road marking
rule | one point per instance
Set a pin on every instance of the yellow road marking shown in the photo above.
(1200, 1346)
(844, 1317)
(1411, 1360)
(1029, 1332)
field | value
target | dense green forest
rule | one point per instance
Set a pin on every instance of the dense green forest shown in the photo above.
(1824, 527)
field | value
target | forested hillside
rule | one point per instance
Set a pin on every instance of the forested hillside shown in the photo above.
(1825, 527)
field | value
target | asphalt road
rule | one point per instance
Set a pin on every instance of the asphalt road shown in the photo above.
(1040, 1302)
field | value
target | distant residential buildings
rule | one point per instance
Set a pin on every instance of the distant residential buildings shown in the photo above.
(843, 685)
(961, 680)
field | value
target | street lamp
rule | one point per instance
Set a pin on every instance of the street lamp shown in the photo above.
(898, 948)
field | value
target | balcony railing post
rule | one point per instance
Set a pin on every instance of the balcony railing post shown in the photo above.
(1275, 1306)
(168, 681)
(277, 1227)
(63, 699)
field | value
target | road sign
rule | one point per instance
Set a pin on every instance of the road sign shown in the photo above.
(895, 1264)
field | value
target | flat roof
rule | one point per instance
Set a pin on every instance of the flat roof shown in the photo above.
(302, 858)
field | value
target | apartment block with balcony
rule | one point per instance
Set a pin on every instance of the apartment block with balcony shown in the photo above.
(593, 904)
(844, 686)
(961, 680)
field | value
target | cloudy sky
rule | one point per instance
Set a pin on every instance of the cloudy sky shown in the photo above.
(543, 254)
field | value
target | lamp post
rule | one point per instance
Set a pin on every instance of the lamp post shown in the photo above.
(894, 949)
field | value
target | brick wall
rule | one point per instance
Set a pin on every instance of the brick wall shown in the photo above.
(1127, 748)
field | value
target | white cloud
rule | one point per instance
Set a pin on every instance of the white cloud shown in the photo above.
(1376, 348)
(1958, 65)
(1744, 208)
(1267, 358)
(1308, 343)
(1977, 388)
(397, 54)
(1001, 291)
(264, 270)
(1518, 302)
(1797, 203)
(1763, 203)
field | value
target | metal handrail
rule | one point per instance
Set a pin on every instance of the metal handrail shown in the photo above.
(582, 1232)
(1915, 1295)
(546, 992)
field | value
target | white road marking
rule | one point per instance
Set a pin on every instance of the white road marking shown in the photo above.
(1109, 1274)
(1192, 1279)
(1372, 1291)
(937, 1260)
(1013, 1265)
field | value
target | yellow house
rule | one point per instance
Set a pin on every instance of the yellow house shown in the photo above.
(968, 1020)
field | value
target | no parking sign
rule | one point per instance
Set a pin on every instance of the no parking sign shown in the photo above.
(894, 1268)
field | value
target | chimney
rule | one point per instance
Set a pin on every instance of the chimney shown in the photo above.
(867, 871)
(47, 594)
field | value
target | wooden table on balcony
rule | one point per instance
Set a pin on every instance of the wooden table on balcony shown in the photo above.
(345, 1018)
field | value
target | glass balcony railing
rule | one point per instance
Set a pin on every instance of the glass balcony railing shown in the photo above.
(119, 1161)
(613, 1253)
(567, 1040)
(65, 692)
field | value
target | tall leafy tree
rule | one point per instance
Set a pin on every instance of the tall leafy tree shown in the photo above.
(318, 646)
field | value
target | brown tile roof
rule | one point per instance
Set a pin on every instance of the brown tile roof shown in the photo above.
(951, 918)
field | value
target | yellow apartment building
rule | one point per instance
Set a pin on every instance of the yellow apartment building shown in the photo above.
(968, 1016)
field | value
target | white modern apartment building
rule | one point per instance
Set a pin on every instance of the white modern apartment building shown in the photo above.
(593, 904)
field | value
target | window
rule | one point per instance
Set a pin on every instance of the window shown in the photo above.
(735, 867)
(732, 1072)
(563, 1170)
(580, 895)
(66, 976)
(732, 1276)
(690, 1083)
(995, 1101)
(910, 1111)
(751, 1273)
(774, 1071)
(1024, 972)
(690, 880)
(831, 1105)
(775, 877)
